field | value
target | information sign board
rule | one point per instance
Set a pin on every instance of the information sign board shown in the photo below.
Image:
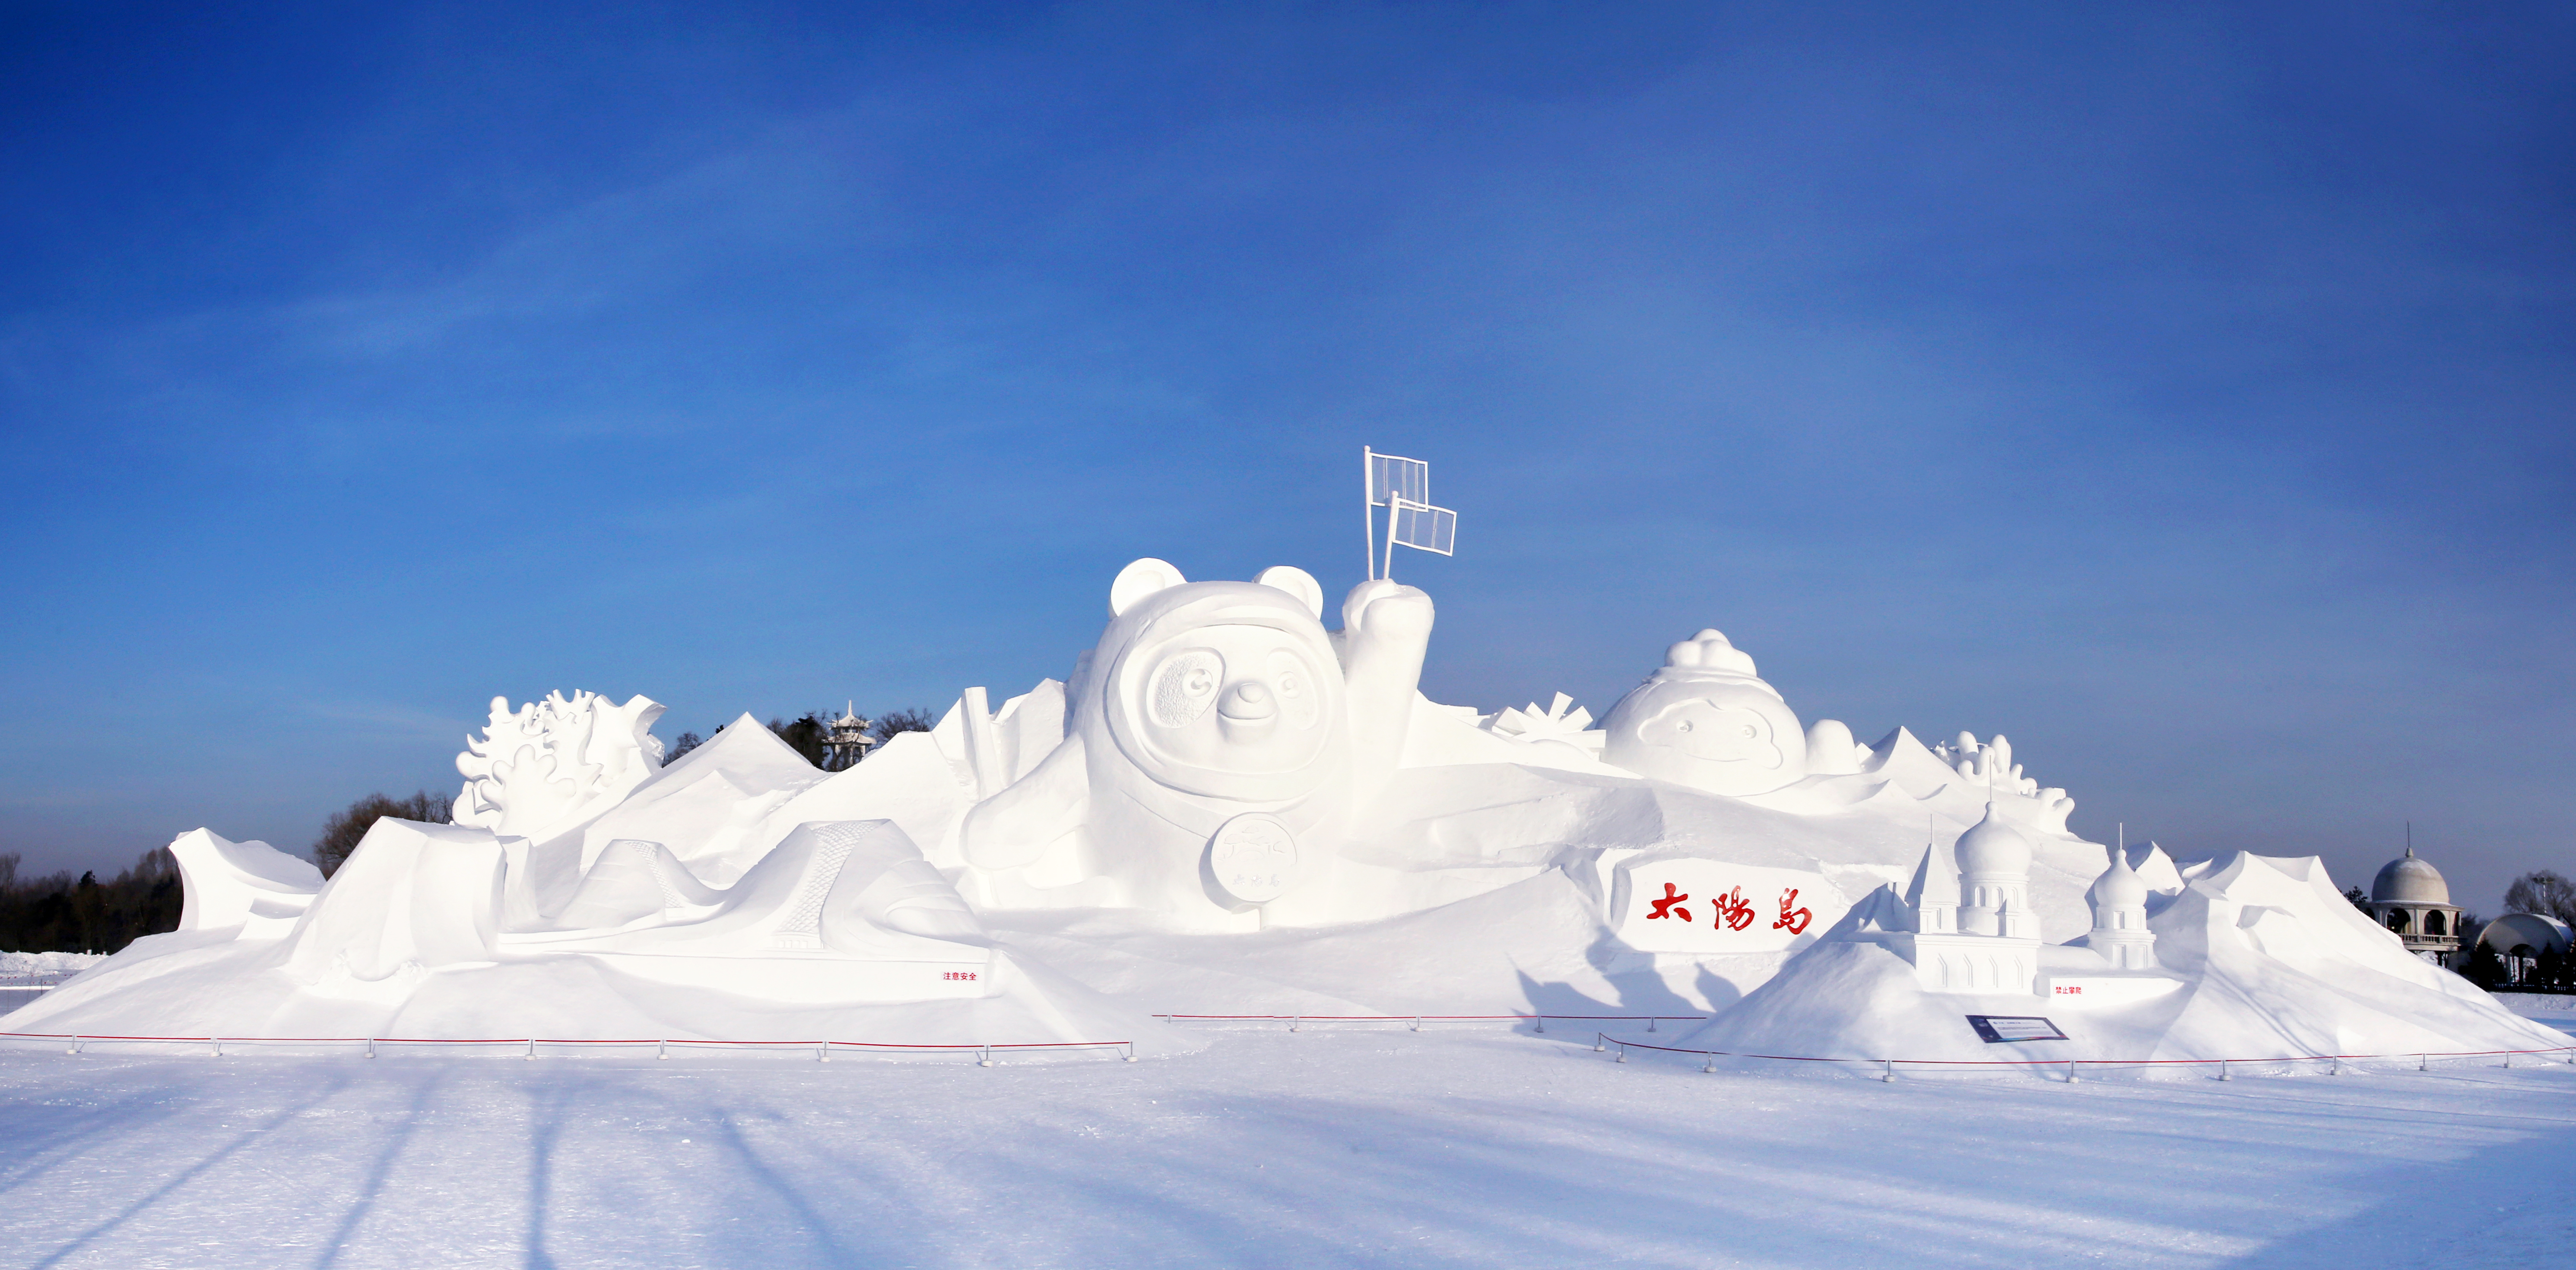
(2014, 1027)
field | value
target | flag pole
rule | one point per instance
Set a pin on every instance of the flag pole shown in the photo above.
(1393, 502)
(1368, 510)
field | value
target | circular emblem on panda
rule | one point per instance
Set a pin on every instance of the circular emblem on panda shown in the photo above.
(1253, 858)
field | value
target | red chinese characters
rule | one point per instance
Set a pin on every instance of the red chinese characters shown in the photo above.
(1792, 920)
(1665, 906)
(1732, 910)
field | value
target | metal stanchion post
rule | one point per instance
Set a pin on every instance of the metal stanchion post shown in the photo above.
(1542, 1024)
(662, 1049)
(1888, 1076)
(985, 1058)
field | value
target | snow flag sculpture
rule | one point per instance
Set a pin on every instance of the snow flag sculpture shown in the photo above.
(1228, 807)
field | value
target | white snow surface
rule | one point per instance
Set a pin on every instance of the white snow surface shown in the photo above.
(1376, 1146)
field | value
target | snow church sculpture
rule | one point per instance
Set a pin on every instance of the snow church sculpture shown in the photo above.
(1965, 921)
(2120, 932)
(1220, 741)
(1966, 924)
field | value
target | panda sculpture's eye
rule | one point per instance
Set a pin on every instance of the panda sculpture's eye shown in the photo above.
(1185, 687)
(1294, 681)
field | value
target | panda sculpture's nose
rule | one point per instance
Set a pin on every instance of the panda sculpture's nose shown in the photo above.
(1248, 702)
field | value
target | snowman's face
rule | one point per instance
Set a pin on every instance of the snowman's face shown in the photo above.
(1714, 732)
(1235, 708)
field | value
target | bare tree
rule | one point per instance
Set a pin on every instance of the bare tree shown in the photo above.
(911, 720)
(2544, 892)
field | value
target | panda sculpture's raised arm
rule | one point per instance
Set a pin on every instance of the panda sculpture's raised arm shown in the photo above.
(1219, 742)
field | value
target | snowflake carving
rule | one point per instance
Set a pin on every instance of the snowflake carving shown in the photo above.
(1562, 720)
(554, 762)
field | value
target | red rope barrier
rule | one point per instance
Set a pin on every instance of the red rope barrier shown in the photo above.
(1606, 1039)
(1453, 1018)
(958, 1046)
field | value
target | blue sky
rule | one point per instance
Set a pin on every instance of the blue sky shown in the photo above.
(2183, 392)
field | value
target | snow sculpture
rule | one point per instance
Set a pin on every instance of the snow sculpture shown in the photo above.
(555, 762)
(1965, 921)
(717, 808)
(1994, 881)
(1561, 723)
(412, 897)
(1989, 765)
(837, 912)
(1220, 762)
(1831, 751)
(2120, 931)
(2261, 958)
(1205, 704)
(250, 887)
(1706, 721)
(1664, 902)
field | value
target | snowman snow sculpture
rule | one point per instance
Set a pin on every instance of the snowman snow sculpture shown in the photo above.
(1704, 720)
(1219, 741)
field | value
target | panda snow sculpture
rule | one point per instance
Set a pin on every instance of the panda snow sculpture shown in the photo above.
(1219, 741)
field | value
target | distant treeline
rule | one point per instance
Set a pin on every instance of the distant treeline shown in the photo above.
(60, 913)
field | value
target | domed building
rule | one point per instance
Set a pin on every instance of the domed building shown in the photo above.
(2525, 936)
(2410, 898)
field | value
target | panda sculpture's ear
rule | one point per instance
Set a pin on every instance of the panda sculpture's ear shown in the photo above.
(1139, 580)
(1296, 582)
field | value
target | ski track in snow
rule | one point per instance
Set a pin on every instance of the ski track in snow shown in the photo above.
(1466, 1147)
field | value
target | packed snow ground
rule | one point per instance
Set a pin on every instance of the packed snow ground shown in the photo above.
(1348, 1146)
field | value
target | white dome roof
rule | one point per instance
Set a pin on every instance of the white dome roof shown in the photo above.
(2119, 886)
(2408, 880)
(1994, 848)
(2537, 931)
